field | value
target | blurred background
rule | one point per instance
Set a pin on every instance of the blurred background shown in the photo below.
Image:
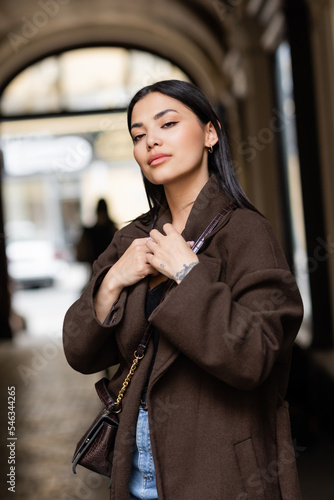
(68, 69)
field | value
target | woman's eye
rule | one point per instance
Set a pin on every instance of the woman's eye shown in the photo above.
(137, 138)
(169, 124)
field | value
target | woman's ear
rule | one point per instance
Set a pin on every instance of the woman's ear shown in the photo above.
(211, 137)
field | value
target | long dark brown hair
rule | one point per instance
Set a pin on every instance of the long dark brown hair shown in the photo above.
(219, 162)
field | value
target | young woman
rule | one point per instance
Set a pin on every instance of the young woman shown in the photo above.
(204, 415)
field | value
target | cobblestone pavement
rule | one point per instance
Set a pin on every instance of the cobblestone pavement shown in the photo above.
(54, 406)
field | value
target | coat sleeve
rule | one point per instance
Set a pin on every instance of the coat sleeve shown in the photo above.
(236, 329)
(89, 345)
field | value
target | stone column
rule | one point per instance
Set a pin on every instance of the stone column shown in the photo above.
(258, 149)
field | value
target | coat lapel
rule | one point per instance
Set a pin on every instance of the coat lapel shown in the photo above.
(134, 324)
(209, 202)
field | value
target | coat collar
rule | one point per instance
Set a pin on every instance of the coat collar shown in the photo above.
(210, 201)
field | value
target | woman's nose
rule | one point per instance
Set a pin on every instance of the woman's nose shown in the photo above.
(152, 139)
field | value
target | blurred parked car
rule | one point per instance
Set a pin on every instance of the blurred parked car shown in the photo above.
(33, 261)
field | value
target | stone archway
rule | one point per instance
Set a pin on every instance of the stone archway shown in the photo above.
(181, 32)
(171, 30)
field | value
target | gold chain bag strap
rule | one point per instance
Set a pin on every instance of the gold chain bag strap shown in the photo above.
(95, 449)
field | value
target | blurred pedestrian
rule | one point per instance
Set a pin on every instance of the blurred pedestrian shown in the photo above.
(95, 239)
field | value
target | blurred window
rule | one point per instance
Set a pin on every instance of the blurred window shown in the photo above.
(58, 159)
(292, 180)
(84, 79)
(65, 144)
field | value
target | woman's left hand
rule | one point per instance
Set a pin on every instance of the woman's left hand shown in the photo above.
(170, 254)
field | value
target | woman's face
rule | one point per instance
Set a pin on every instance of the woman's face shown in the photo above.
(170, 143)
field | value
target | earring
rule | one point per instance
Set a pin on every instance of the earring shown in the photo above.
(210, 149)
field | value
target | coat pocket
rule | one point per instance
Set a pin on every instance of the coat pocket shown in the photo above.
(249, 470)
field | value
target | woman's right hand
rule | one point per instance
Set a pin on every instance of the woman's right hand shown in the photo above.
(128, 270)
(132, 266)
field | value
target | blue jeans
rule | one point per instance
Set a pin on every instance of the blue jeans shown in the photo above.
(142, 484)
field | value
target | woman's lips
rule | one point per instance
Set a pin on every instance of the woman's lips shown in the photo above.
(157, 159)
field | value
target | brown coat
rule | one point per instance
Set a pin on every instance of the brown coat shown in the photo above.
(219, 424)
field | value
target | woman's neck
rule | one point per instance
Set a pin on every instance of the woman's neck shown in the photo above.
(181, 197)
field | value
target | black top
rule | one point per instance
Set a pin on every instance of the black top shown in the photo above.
(153, 298)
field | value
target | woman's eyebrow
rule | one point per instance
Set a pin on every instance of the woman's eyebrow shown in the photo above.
(155, 117)
(162, 113)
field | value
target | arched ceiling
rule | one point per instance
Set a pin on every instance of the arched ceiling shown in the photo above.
(191, 33)
(205, 38)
